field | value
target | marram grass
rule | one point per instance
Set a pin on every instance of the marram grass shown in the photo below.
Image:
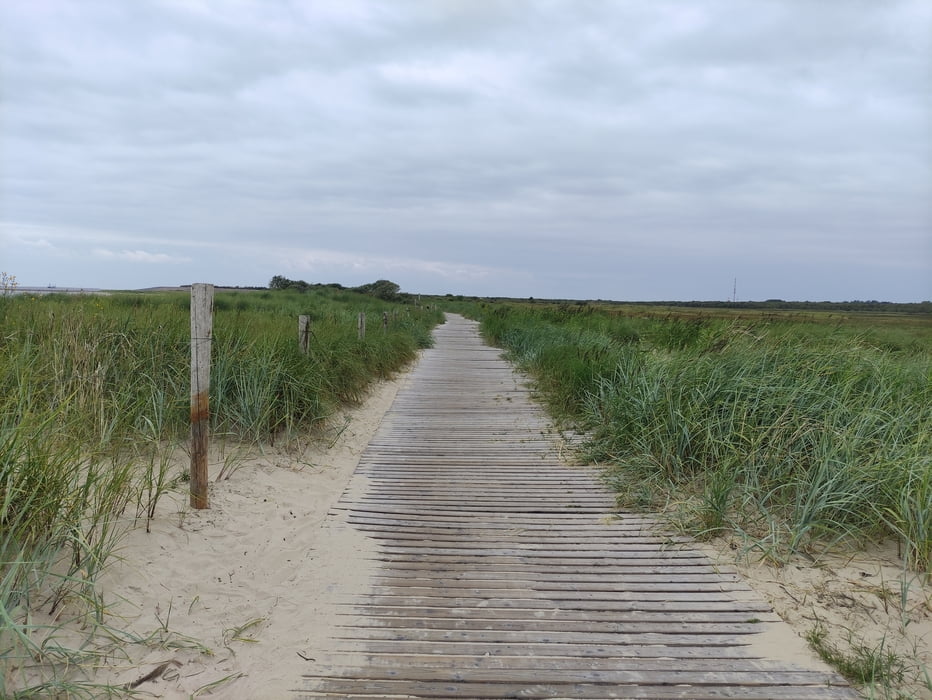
(94, 394)
(797, 433)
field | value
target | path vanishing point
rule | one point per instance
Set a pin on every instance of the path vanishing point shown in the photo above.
(504, 572)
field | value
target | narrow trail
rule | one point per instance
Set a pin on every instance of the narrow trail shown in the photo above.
(502, 572)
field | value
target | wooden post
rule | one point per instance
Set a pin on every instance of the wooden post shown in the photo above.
(202, 304)
(385, 322)
(304, 332)
(361, 325)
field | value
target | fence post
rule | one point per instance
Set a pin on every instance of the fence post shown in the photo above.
(304, 331)
(385, 322)
(361, 325)
(202, 303)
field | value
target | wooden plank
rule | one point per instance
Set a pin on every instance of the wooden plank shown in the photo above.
(630, 676)
(498, 587)
(528, 557)
(501, 589)
(672, 607)
(530, 549)
(485, 594)
(459, 534)
(543, 651)
(586, 525)
(603, 567)
(466, 514)
(514, 505)
(405, 689)
(348, 660)
(632, 574)
(440, 637)
(560, 494)
(500, 571)
(464, 510)
(657, 617)
(666, 626)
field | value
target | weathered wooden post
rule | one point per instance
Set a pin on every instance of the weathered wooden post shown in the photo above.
(202, 306)
(304, 332)
(385, 322)
(361, 325)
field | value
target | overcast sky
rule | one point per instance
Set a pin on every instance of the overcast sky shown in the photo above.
(629, 150)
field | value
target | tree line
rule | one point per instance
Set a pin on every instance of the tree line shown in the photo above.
(381, 289)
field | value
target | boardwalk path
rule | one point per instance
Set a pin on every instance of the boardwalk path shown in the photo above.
(502, 573)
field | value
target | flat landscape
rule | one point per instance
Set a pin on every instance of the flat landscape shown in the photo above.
(113, 584)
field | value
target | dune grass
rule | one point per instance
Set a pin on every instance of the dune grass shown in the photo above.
(798, 434)
(94, 397)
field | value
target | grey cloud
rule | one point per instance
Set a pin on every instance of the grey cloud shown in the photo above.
(531, 134)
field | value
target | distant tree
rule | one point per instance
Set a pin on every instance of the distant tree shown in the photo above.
(279, 282)
(381, 289)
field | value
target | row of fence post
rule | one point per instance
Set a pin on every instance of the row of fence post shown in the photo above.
(304, 328)
(202, 304)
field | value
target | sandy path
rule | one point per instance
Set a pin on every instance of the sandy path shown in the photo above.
(265, 553)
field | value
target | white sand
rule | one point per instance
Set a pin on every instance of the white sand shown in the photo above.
(265, 552)
(863, 599)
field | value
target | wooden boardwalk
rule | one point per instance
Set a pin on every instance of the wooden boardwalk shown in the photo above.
(503, 572)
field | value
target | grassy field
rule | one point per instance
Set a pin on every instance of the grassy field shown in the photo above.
(797, 429)
(94, 393)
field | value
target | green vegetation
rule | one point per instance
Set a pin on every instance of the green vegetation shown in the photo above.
(94, 393)
(878, 668)
(380, 289)
(795, 432)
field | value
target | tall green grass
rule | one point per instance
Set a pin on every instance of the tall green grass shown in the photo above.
(94, 397)
(799, 434)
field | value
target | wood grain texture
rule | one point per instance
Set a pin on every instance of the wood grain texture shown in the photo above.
(505, 572)
(202, 319)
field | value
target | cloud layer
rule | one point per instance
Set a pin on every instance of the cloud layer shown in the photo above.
(567, 148)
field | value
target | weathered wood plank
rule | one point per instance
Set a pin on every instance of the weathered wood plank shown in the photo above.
(441, 637)
(668, 592)
(573, 676)
(665, 626)
(415, 520)
(500, 571)
(632, 575)
(536, 603)
(501, 587)
(387, 533)
(461, 556)
(399, 688)
(346, 660)
(603, 568)
(543, 651)
(657, 617)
